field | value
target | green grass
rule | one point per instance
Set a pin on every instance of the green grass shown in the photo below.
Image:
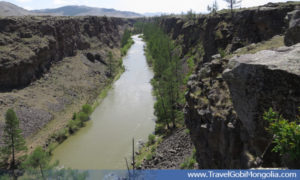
(273, 43)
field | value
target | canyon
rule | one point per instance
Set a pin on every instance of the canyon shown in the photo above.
(245, 63)
(45, 71)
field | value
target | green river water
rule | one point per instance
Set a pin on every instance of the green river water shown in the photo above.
(125, 113)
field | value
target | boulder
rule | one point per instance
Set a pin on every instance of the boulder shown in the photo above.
(260, 81)
(292, 35)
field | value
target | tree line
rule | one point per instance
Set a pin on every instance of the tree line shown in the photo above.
(164, 57)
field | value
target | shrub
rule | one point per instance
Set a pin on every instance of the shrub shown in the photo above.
(149, 157)
(74, 116)
(61, 135)
(286, 134)
(151, 139)
(74, 125)
(153, 148)
(87, 109)
(83, 117)
(159, 128)
(188, 164)
(222, 52)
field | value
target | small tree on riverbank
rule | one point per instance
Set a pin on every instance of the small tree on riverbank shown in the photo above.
(13, 140)
(40, 160)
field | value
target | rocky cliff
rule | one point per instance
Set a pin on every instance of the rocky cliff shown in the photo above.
(29, 45)
(51, 66)
(208, 34)
(224, 112)
(256, 83)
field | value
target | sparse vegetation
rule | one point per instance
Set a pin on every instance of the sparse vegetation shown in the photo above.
(222, 52)
(147, 151)
(190, 162)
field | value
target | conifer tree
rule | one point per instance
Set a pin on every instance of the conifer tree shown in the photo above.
(232, 4)
(13, 140)
(214, 8)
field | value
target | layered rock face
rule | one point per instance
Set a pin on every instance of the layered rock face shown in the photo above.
(51, 66)
(292, 35)
(260, 81)
(224, 112)
(210, 34)
(209, 114)
(29, 45)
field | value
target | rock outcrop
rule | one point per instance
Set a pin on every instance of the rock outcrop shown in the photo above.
(224, 113)
(260, 81)
(292, 35)
(209, 115)
(208, 34)
(29, 45)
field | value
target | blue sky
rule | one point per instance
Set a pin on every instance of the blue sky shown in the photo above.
(140, 6)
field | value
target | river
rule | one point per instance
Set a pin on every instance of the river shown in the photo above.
(125, 113)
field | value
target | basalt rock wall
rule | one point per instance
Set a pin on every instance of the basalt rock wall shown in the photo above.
(29, 45)
(218, 121)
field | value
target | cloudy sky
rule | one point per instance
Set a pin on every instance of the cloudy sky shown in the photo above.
(140, 6)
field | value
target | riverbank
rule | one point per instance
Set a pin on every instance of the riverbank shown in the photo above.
(84, 95)
(63, 132)
(47, 72)
(121, 116)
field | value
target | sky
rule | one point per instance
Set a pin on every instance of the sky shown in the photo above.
(139, 6)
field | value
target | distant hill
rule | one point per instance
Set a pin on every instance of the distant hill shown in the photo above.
(153, 14)
(9, 9)
(85, 10)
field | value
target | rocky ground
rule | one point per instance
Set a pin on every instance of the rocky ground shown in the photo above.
(171, 152)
